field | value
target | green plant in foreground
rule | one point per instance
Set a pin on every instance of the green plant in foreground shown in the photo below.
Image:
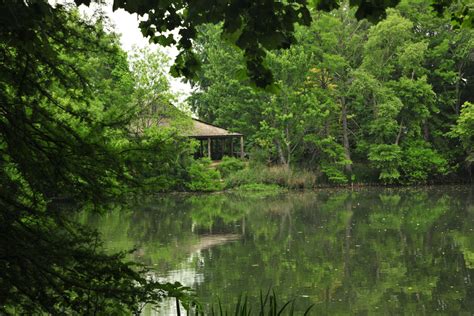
(268, 305)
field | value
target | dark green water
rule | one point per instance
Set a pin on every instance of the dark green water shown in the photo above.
(374, 251)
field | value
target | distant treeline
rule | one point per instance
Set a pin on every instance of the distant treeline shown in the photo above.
(353, 101)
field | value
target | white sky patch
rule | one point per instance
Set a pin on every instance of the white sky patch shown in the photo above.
(126, 25)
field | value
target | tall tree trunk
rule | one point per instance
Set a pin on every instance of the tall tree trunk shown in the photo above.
(345, 136)
(288, 146)
(399, 136)
(280, 154)
(426, 131)
(458, 91)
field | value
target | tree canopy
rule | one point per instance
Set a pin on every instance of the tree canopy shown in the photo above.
(253, 26)
(381, 97)
(66, 103)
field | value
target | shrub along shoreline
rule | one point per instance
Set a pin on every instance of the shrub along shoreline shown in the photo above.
(233, 174)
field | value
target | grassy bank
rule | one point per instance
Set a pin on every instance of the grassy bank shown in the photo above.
(244, 176)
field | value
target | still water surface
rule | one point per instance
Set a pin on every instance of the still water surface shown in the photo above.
(373, 251)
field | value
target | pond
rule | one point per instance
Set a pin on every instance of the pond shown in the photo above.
(368, 251)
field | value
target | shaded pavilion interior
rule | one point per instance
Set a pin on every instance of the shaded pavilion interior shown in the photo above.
(216, 142)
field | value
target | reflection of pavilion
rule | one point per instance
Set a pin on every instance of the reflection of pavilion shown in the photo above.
(209, 241)
(187, 273)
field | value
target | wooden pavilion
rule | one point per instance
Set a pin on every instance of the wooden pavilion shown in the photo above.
(215, 141)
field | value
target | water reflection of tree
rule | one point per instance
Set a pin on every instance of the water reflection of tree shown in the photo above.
(392, 252)
(373, 251)
(407, 257)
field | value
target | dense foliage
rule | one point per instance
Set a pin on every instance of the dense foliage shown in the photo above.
(253, 26)
(203, 178)
(66, 102)
(352, 99)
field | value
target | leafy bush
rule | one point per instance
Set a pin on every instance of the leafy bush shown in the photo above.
(464, 130)
(386, 158)
(419, 162)
(202, 177)
(413, 163)
(334, 173)
(229, 165)
(332, 158)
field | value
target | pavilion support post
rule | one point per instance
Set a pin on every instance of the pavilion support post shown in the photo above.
(241, 147)
(232, 146)
(223, 147)
(209, 148)
(201, 149)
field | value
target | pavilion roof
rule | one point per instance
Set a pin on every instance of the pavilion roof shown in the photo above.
(202, 129)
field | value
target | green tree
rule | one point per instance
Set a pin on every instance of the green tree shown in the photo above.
(464, 130)
(447, 67)
(225, 96)
(347, 93)
(64, 136)
(164, 153)
(402, 99)
(152, 88)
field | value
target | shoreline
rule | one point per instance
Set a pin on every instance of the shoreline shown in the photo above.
(355, 187)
